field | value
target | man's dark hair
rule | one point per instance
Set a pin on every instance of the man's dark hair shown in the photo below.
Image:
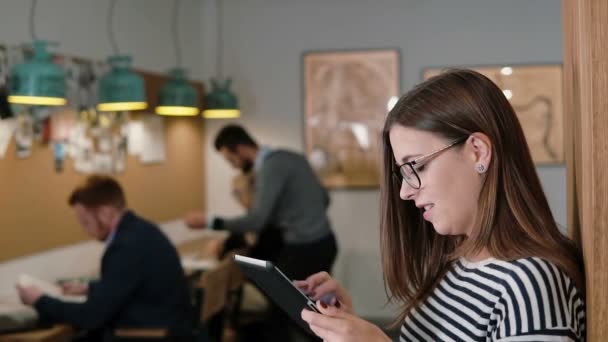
(231, 136)
(98, 190)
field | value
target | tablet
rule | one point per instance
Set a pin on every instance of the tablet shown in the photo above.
(278, 287)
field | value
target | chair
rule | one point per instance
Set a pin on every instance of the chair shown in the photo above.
(214, 295)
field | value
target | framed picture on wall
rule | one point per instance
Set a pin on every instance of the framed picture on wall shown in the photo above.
(535, 92)
(347, 95)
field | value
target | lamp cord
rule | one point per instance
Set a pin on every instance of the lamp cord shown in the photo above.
(174, 30)
(111, 34)
(220, 40)
(32, 22)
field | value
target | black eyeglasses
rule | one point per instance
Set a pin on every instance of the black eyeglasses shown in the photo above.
(407, 170)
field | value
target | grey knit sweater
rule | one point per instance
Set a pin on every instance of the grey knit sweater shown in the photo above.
(288, 194)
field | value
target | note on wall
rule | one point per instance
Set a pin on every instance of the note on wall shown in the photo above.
(24, 136)
(135, 137)
(7, 129)
(153, 140)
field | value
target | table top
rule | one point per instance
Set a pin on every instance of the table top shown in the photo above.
(203, 248)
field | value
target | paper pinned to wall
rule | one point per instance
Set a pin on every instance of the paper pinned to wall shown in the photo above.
(62, 123)
(7, 129)
(84, 161)
(24, 136)
(76, 135)
(153, 140)
(135, 137)
(103, 163)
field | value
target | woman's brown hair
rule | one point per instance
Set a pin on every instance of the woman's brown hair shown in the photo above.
(514, 220)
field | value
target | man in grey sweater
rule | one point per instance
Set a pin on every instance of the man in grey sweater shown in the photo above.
(288, 195)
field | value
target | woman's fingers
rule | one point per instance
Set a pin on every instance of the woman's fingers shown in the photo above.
(308, 285)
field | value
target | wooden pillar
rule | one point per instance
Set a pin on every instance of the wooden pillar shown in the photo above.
(585, 24)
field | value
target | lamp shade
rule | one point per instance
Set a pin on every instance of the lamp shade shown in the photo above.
(38, 81)
(121, 89)
(221, 102)
(177, 96)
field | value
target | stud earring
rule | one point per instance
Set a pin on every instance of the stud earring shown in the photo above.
(480, 168)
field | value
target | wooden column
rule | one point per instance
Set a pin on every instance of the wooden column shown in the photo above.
(585, 24)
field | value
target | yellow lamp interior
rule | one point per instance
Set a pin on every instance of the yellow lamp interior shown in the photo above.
(176, 110)
(121, 106)
(37, 100)
(221, 113)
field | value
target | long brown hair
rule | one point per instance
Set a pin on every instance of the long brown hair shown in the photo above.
(514, 220)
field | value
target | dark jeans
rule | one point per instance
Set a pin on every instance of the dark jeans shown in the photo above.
(268, 246)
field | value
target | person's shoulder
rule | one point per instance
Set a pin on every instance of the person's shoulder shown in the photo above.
(138, 231)
(538, 298)
(528, 266)
(282, 158)
(533, 277)
(283, 154)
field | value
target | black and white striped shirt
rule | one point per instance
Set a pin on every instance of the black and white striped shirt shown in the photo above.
(523, 300)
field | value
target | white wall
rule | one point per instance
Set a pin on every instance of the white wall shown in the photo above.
(142, 29)
(264, 42)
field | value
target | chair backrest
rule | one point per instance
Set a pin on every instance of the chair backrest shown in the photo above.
(219, 285)
(214, 284)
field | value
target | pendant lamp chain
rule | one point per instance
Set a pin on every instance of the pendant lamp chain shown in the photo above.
(220, 40)
(32, 21)
(175, 32)
(111, 34)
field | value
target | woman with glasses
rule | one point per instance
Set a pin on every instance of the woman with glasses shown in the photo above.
(468, 241)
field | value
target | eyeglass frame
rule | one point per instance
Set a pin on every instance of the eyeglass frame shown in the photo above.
(398, 174)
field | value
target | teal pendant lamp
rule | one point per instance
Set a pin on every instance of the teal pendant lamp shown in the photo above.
(221, 102)
(38, 81)
(177, 97)
(120, 89)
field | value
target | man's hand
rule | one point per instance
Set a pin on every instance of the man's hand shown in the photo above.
(29, 294)
(75, 288)
(196, 219)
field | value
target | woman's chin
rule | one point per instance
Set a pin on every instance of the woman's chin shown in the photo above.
(442, 230)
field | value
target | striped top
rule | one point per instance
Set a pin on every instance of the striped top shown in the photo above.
(523, 300)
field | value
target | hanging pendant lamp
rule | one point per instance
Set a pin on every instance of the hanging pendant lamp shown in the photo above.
(120, 89)
(221, 102)
(177, 96)
(37, 81)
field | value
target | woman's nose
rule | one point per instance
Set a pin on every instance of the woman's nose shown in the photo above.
(407, 192)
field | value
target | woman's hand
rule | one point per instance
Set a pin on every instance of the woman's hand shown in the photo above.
(335, 325)
(321, 286)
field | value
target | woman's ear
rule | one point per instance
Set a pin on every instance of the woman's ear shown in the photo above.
(481, 146)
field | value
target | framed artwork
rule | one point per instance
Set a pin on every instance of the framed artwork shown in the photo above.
(535, 92)
(347, 95)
